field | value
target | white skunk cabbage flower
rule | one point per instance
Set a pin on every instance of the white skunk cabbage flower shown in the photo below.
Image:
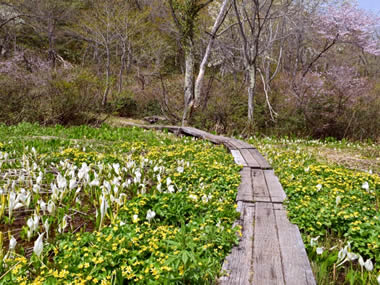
(171, 189)
(51, 207)
(61, 181)
(39, 178)
(150, 215)
(42, 205)
(103, 209)
(116, 167)
(13, 203)
(352, 256)
(361, 261)
(47, 226)
(319, 250)
(95, 182)
(107, 186)
(63, 225)
(168, 181)
(180, 169)
(83, 171)
(39, 245)
(337, 200)
(12, 243)
(73, 183)
(368, 265)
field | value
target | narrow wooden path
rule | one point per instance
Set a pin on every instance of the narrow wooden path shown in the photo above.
(271, 250)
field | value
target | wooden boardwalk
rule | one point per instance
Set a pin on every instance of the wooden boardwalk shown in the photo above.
(271, 250)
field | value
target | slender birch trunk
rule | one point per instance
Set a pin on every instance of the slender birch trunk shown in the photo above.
(202, 67)
(251, 91)
(122, 66)
(108, 75)
(189, 83)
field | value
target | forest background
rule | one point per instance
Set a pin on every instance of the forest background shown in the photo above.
(283, 67)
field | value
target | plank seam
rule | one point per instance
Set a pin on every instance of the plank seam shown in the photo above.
(279, 246)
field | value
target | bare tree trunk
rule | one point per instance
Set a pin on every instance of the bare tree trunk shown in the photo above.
(189, 84)
(129, 61)
(122, 66)
(251, 91)
(51, 52)
(202, 68)
(108, 75)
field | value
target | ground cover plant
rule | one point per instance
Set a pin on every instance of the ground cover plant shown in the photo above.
(113, 206)
(336, 208)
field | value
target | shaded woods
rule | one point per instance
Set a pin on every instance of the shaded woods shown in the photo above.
(232, 66)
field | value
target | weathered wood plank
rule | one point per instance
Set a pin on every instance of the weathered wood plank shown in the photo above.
(243, 144)
(234, 142)
(259, 186)
(173, 129)
(276, 191)
(245, 188)
(295, 262)
(267, 267)
(251, 161)
(238, 157)
(238, 265)
(193, 132)
(228, 145)
(277, 206)
(260, 159)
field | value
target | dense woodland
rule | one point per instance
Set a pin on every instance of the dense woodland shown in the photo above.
(294, 67)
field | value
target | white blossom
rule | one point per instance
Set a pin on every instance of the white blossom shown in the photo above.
(171, 189)
(150, 215)
(51, 207)
(61, 181)
(73, 183)
(337, 200)
(180, 169)
(39, 245)
(313, 241)
(368, 265)
(12, 243)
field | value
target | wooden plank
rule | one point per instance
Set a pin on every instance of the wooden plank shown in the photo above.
(245, 188)
(295, 262)
(277, 206)
(173, 129)
(276, 191)
(228, 145)
(233, 142)
(267, 267)
(251, 161)
(260, 159)
(259, 186)
(243, 144)
(238, 157)
(238, 265)
(193, 132)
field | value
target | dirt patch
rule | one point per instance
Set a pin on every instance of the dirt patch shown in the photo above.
(347, 158)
